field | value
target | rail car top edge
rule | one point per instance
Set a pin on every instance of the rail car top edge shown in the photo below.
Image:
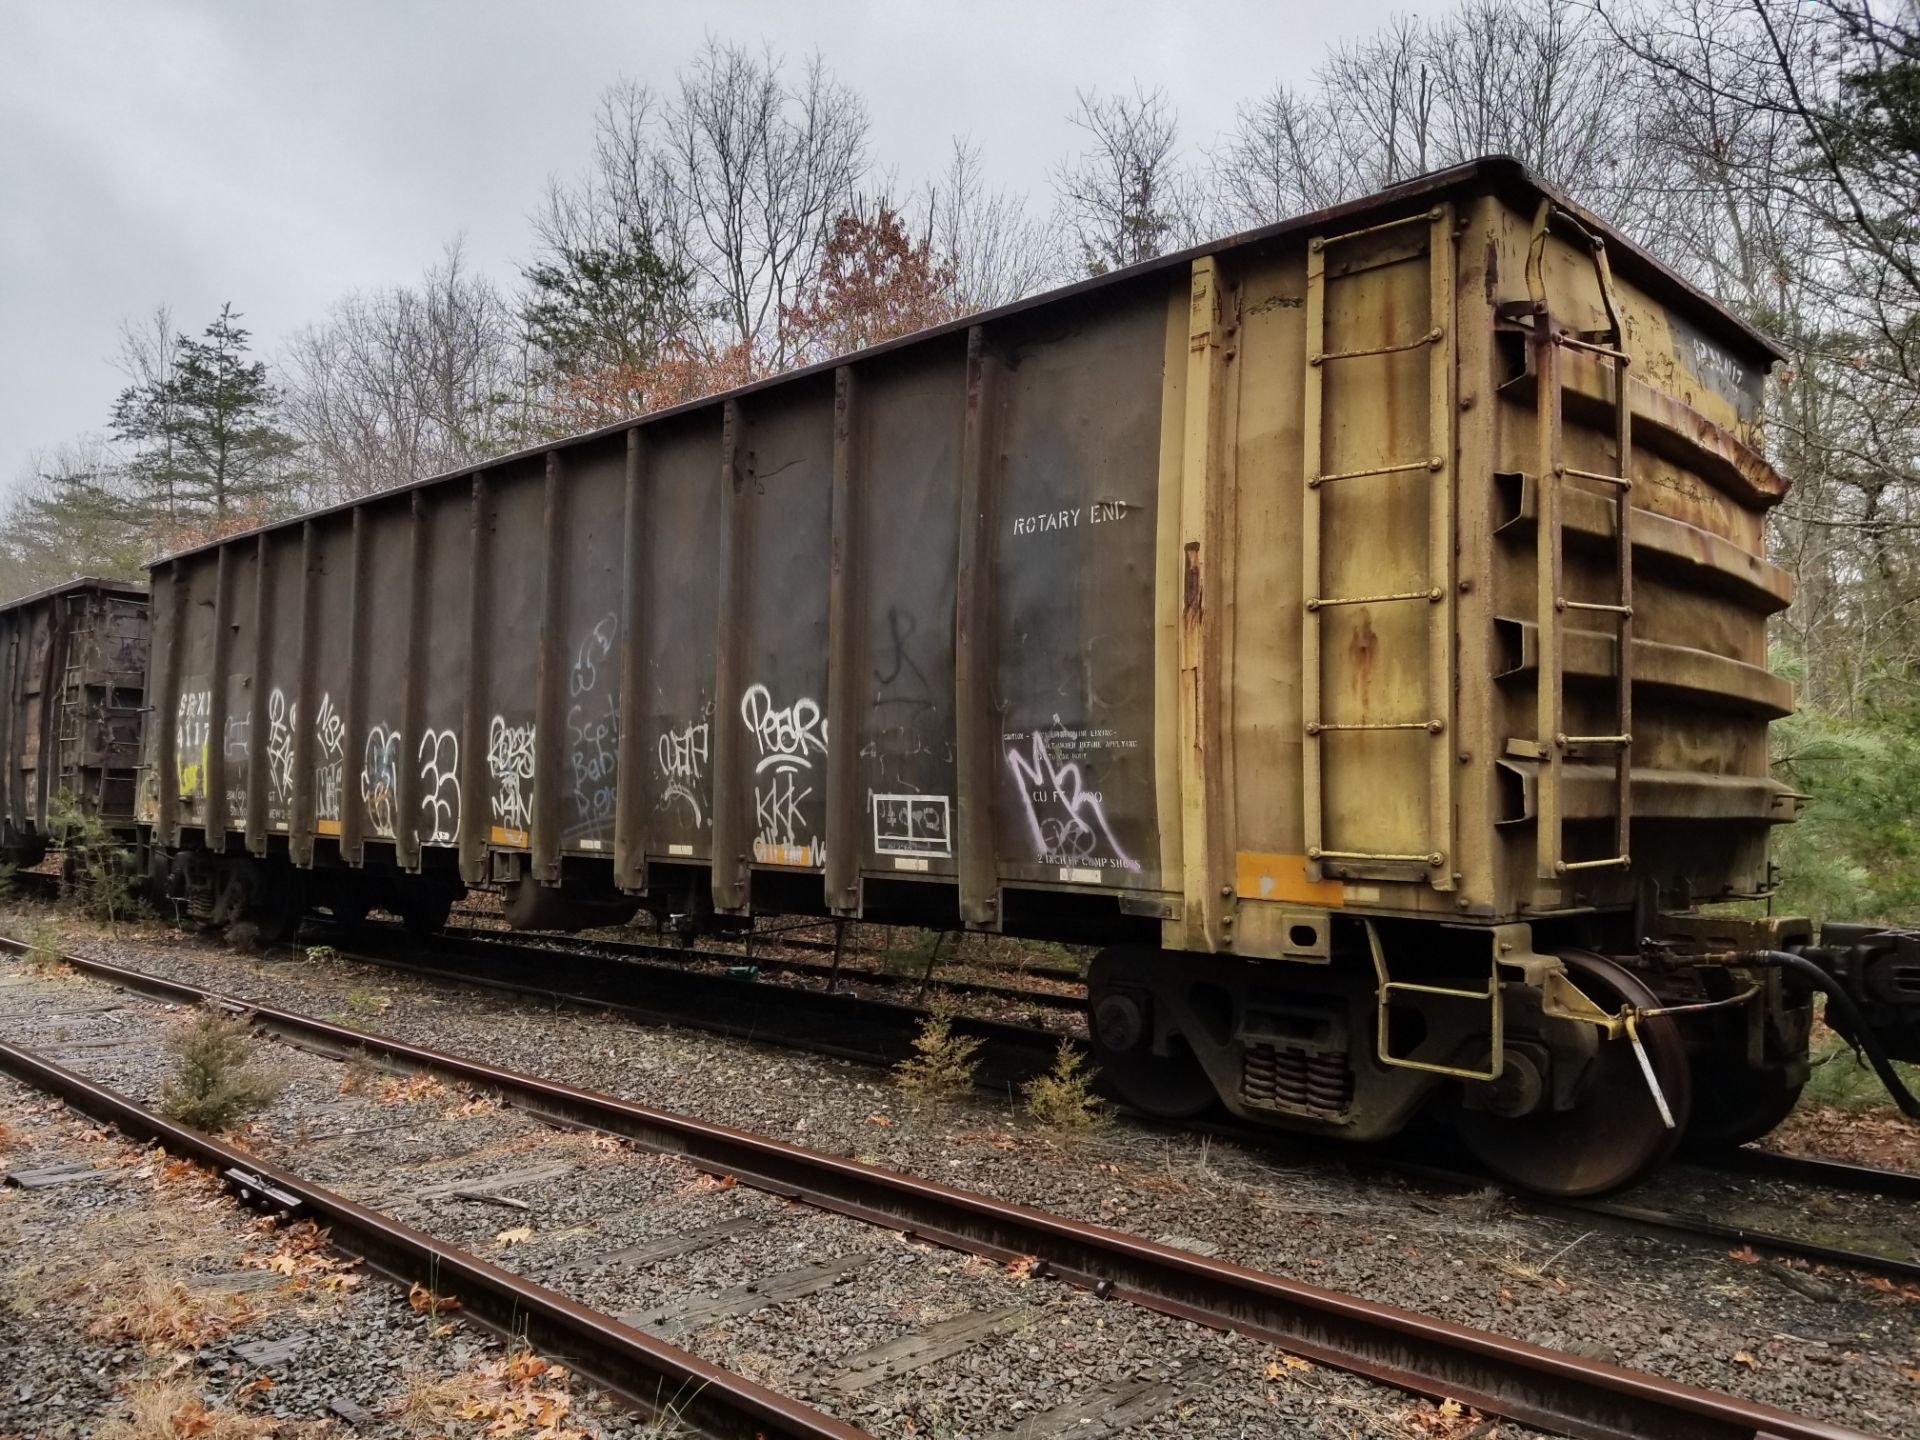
(129, 589)
(1509, 175)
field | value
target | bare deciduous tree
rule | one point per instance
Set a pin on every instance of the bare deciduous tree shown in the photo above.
(1283, 157)
(611, 284)
(993, 250)
(398, 384)
(756, 170)
(1127, 196)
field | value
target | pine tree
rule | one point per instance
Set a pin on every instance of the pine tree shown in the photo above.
(207, 451)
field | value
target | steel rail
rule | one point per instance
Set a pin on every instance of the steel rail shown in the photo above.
(647, 951)
(1419, 1353)
(1417, 1167)
(657, 1379)
(1811, 1170)
(788, 936)
(850, 1027)
(1013, 1052)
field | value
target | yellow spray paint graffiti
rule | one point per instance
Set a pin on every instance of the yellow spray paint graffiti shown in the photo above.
(191, 729)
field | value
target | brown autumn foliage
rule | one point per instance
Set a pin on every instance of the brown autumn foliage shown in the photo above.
(875, 282)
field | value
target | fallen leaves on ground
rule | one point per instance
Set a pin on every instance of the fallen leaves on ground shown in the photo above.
(1880, 1136)
(1021, 1266)
(411, 1090)
(1449, 1420)
(518, 1235)
(427, 1302)
(1908, 1291)
(302, 1257)
(522, 1394)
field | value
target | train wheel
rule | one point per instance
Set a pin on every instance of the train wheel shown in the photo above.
(425, 911)
(1734, 1103)
(1613, 1133)
(1120, 1025)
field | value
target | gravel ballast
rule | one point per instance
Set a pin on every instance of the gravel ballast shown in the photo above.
(1839, 1348)
(581, 1213)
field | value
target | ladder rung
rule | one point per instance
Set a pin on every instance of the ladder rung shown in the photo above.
(1565, 740)
(1432, 857)
(1565, 604)
(1433, 462)
(1432, 337)
(1612, 862)
(1620, 356)
(1432, 727)
(1622, 481)
(1322, 602)
(1320, 242)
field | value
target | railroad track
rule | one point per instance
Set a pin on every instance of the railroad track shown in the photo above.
(847, 1027)
(879, 1033)
(622, 1359)
(850, 972)
(1887, 1184)
(1416, 1353)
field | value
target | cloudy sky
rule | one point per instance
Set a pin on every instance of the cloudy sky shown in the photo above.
(280, 156)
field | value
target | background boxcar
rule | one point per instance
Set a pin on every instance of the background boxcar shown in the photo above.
(75, 665)
(1357, 623)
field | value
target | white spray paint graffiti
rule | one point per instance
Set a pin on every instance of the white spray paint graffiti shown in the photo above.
(593, 731)
(912, 825)
(510, 763)
(282, 718)
(380, 780)
(439, 757)
(683, 757)
(1067, 819)
(592, 656)
(788, 738)
(330, 735)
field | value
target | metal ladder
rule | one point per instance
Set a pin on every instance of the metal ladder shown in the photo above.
(1436, 591)
(1549, 341)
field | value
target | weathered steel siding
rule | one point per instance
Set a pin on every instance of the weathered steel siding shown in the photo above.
(680, 606)
(903, 522)
(73, 661)
(1074, 575)
(1047, 602)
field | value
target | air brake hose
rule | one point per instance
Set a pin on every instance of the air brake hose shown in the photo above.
(1861, 1035)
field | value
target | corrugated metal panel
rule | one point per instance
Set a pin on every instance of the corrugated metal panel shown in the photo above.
(1020, 609)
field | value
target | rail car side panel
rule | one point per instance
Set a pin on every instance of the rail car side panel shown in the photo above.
(906, 524)
(1074, 571)
(1053, 607)
(73, 662)
(679, 608)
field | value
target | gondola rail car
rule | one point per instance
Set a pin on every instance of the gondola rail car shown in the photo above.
(1358, 626)
(73, 659)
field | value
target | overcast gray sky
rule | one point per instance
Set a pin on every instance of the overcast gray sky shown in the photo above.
(279, 156)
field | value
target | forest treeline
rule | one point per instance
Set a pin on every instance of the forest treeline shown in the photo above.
(745, 219)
